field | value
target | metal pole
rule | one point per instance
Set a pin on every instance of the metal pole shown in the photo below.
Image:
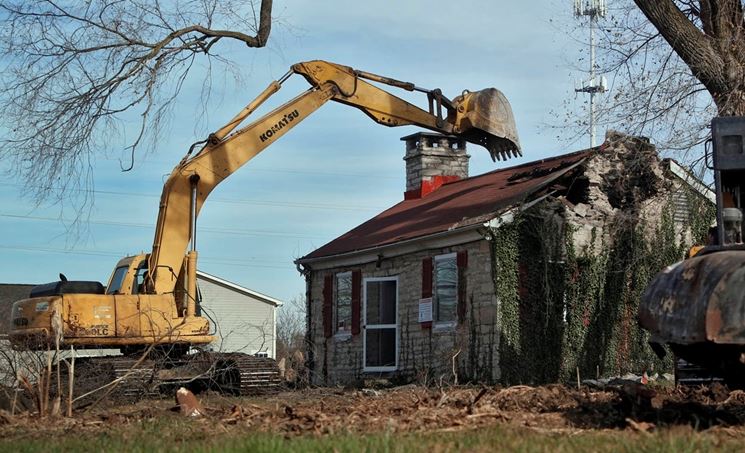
(592, 9)
(592, 80)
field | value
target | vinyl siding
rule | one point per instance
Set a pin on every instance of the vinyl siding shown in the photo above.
(243, 323)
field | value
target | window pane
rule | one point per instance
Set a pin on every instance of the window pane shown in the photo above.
(372, 314)
(380, 347)
(446, 289)
(139, 284)
(381, 302)
(344, 301)
(116, 280)
(388, 302)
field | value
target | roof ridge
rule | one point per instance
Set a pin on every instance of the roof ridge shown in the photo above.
(525, 164)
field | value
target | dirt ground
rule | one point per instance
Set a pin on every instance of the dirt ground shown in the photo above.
(551, 408)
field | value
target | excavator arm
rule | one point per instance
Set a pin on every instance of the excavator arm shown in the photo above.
(482, 117)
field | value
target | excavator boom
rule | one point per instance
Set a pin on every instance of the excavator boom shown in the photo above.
(482, 117)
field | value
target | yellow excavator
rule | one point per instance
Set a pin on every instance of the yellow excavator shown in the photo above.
(151, 301)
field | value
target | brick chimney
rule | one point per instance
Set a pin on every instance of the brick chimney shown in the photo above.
(431, 161)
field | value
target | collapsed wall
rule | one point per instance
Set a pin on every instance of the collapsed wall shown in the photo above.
(584, 256)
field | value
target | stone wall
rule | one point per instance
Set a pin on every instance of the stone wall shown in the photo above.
(625, 182)
(425, 354)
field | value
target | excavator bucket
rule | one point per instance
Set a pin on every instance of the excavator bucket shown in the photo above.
(485, 118)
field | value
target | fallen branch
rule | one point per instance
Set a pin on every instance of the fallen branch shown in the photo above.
(476, 400)
(496, 414)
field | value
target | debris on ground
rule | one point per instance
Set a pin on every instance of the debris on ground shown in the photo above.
(323, 411)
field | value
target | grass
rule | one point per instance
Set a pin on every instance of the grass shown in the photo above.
(176, 435)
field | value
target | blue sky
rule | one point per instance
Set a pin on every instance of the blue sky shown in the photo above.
(331, 172)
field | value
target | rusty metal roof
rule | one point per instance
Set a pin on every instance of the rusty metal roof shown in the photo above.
(456, 204)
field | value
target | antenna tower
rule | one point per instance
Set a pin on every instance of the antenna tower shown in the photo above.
(593, 10)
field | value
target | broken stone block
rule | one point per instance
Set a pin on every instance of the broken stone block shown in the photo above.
(581, 209)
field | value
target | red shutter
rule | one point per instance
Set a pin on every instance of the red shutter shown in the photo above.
(426, 284)
(356, 301)
(328, 306)
(426, 278)
(462, 262)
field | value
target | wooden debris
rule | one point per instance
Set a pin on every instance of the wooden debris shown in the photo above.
(188, 403)
(642, 427)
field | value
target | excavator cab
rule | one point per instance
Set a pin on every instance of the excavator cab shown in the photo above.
(728, 136)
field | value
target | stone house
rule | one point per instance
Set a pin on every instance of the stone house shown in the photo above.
(525, 274)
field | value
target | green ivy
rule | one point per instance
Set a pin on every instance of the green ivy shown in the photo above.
(700, 217)
(564, 310)
(505, 254)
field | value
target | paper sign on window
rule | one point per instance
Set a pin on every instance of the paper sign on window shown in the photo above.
(425, 310)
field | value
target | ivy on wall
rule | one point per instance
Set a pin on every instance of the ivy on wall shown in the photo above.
(505, 255)
(563, 309)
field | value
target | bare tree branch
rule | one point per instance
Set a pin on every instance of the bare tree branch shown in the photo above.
(672, 65)
(689, 42)
(76, 74)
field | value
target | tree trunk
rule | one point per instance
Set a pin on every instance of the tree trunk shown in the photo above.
(715, 53)
(731, 103)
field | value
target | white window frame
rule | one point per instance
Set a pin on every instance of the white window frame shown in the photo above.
(444, 325)
(342, 333)
(375, 369)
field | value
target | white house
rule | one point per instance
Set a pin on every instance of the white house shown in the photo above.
(244, 320)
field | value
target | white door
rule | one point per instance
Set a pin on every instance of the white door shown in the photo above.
(380, 349)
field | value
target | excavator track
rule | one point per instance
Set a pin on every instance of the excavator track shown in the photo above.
(137, 381)
(230, 373)
(243, 374)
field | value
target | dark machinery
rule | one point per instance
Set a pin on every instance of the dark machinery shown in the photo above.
(697, 306)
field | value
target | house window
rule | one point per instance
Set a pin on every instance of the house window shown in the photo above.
(445, 289)
(381, 336)
(343, 312)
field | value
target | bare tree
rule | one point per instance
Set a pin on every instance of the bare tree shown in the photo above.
(672, 65)
(74, 72)
(709, 36)
(291, 327)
